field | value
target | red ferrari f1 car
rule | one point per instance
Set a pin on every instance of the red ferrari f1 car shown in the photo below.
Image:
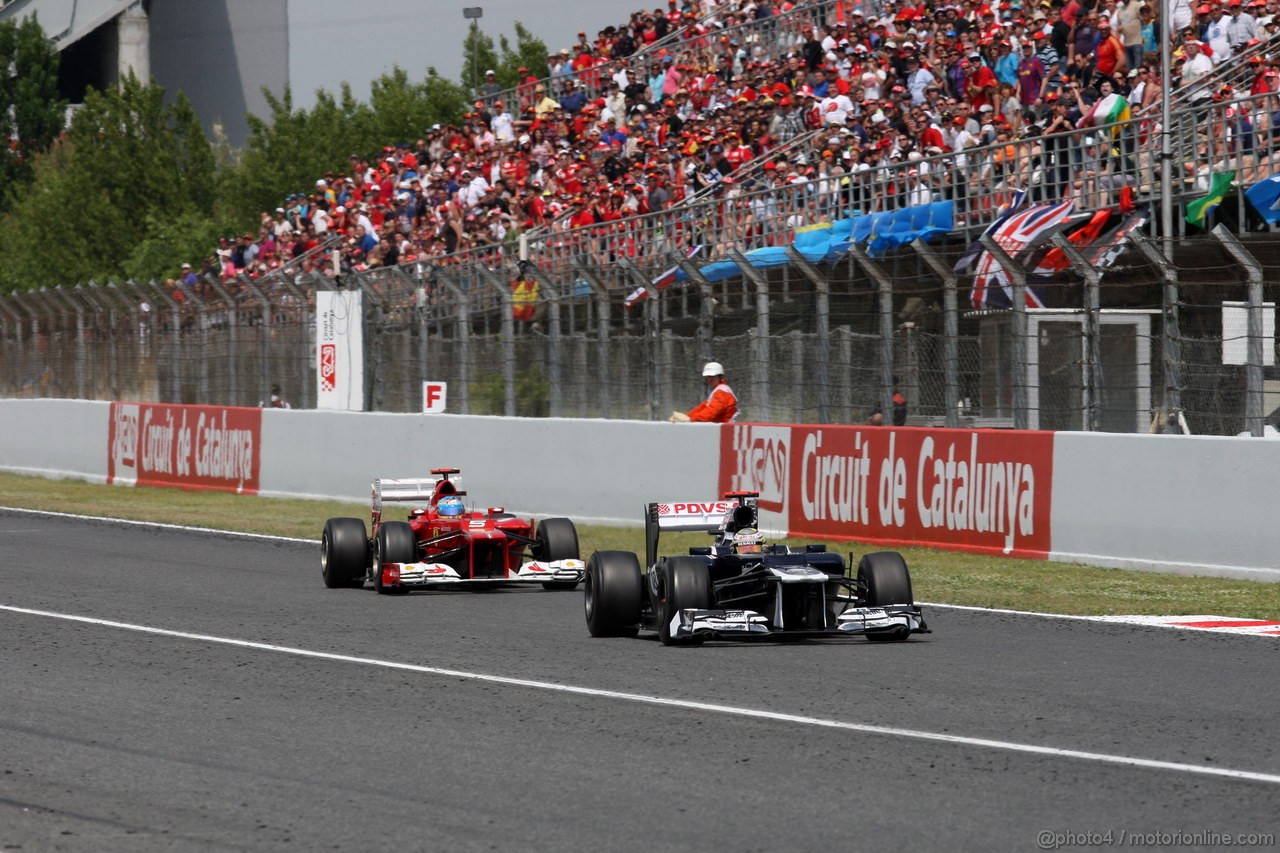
(446, 543)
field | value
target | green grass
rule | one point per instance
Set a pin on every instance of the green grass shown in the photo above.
(937, 576)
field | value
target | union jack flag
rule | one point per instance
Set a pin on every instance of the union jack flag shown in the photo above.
(1014, 231)
(661, 281)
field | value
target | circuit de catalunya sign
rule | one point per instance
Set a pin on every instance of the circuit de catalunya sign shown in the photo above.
(986, 491)
(192, 447)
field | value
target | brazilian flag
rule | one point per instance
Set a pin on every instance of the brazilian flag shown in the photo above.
(1219, 186)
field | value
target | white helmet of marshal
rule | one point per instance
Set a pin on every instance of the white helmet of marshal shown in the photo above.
(713, 368)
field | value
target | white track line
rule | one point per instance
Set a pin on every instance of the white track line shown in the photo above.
(1262, 629)
(185, 528)
(684, 704)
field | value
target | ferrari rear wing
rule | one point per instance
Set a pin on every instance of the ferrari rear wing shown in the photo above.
(412, 490)
(683, 517)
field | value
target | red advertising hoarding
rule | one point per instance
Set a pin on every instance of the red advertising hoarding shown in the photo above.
(192, 447)
(986, 491)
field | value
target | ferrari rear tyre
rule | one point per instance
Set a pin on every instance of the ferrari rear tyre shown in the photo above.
(883, 580)
(684, 584)
(557, 539)
(344, 552)
(395, 544)
(613, 594)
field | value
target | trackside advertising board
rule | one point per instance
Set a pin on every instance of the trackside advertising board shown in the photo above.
(191, 447)
(987, 491)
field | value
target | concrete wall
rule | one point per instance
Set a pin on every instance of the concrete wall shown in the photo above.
(1195, 504)
(589, 470)
(55, 438)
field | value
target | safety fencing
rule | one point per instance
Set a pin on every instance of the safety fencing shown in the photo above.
(1187, 343)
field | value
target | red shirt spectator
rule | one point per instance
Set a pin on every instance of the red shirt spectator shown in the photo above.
(980, 84)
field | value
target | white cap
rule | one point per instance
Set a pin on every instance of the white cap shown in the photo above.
(713, 368)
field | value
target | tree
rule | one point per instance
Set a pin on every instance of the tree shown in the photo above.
(289, 149)
(403, 111)
(530, 53)
(31, 113)
(478, 56)
(128, 161)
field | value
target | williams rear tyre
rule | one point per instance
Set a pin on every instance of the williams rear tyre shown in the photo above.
(557, 539)
(613, 594)
(395, 543)
(684, 583)
(883, 580)
(344, 552)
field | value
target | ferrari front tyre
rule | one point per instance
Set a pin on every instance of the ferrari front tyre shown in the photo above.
(344, 552)
(613, 594)
(395, 543)
(684, 584)
(883, 580)
(557, 539)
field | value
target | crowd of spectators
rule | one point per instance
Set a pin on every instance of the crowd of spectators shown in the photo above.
(608, 131)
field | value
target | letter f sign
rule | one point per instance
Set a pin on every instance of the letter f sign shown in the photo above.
(434, 395)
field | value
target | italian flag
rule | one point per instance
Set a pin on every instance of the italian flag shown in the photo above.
(1108, 110)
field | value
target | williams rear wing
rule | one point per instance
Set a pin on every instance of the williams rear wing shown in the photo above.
(682, 517)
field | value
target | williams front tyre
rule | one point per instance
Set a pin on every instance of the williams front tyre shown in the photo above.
(883, 580)
(613, 594)
(683, 584)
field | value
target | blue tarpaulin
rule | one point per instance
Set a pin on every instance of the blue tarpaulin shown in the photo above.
(824, 242)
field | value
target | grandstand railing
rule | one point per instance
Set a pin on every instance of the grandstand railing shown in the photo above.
(1237, 73)
(1089, 166)
(753, 169)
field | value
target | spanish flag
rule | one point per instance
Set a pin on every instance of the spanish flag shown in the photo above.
(1219, 186)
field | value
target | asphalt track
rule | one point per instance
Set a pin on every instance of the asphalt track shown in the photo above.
(212, 695)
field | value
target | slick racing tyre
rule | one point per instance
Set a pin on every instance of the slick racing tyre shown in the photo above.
(613, 594)
(683, 584)
(883, 580)
(395, 544)
(344, 552)
(557, 539)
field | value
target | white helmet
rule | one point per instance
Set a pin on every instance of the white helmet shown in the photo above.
(713, 368)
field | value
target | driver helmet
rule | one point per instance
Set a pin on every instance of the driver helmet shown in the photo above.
(748, 541)
(450, 506)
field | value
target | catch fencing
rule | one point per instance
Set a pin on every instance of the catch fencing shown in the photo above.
(1149, 342)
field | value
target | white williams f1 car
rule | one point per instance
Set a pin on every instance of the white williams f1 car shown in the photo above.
(743, 588)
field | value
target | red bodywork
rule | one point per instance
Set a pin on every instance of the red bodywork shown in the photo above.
(477, 544)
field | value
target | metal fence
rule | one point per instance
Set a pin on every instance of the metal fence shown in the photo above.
(800, 343)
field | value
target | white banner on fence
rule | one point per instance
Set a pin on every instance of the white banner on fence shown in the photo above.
(339, 350)
(1235, 333)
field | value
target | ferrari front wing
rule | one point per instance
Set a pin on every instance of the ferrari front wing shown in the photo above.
(419, 575)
